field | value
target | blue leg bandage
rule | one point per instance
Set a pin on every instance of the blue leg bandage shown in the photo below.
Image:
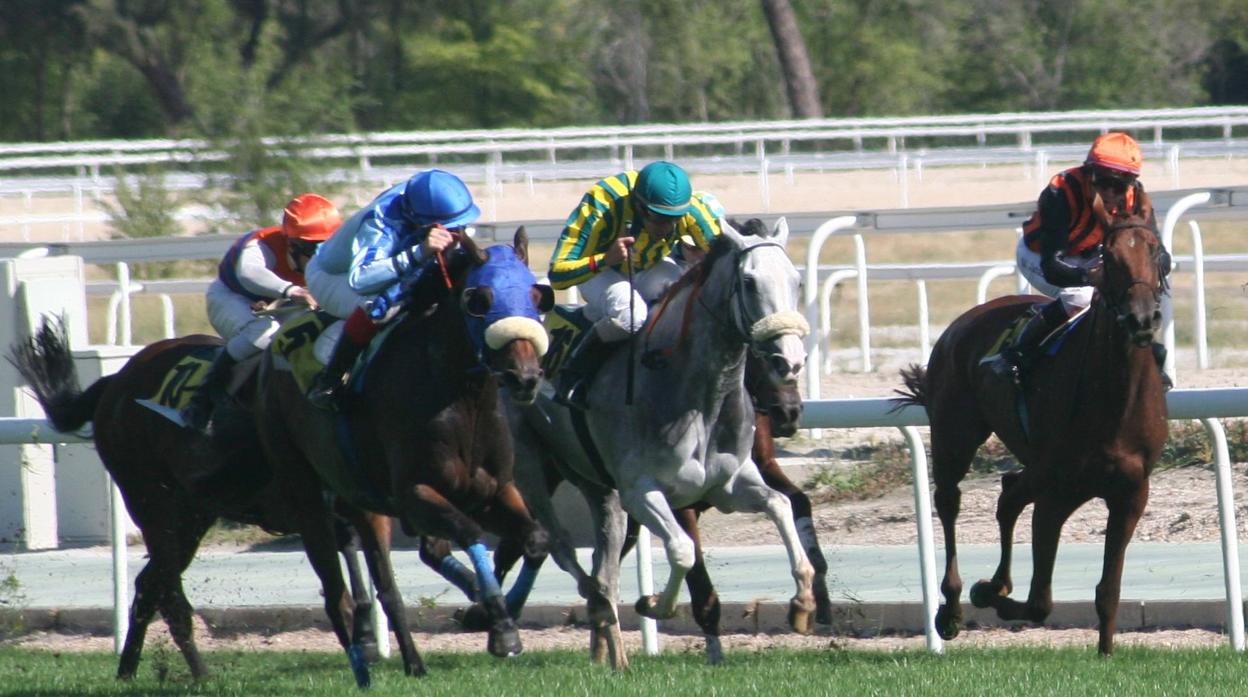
(519, 592)
(485, 570)
(461, 576)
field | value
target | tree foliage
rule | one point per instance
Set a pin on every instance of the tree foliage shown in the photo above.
(236, 70)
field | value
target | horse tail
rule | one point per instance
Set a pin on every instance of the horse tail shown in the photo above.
(45, 361)
(915, 392)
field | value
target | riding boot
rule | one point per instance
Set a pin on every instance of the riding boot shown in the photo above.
(1021, 353)
(575, 376)
(198, 412)
(1159, 355)
(358, 330)
(328, 385)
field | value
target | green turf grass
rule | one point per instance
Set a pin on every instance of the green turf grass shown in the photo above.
(1013, 672)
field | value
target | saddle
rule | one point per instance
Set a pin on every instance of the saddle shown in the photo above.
(294, 345)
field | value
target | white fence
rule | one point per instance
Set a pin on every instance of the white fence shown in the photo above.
(85, 170)
(1206, 405)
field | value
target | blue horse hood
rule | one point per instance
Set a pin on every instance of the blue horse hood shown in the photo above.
(511, 282)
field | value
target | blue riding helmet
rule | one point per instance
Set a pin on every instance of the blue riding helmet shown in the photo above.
(664, 188)
(437, 197)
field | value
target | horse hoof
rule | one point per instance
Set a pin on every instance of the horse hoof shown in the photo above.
(648, 606)
(946, 626)
(473, 618)
(359, 666)
(799, 618)
(601, 613)
(986, 593)
(372, 655)
(714, 651)
(505, 642)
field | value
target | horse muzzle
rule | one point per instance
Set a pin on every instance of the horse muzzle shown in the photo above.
(521, 384)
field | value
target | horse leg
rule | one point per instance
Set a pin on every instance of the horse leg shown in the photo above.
(1125, 509)
(509, 518)
(649, 506)
(362, 632)
(956, 434)
(764, 453)
(610, 524)
(1016, 494)
(704, 601)
(1049, 516)
(374, 533)
(159, 583)
(426, 509)
(747, 492)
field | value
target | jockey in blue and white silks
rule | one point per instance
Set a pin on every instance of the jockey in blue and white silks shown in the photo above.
(359, 273)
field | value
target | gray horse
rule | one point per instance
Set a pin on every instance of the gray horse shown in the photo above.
(687, 435)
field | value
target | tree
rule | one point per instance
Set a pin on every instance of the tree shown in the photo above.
(794, 63)
(41, 45)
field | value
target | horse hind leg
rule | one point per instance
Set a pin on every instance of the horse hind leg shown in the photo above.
(363, 632)
(1016, 494)
(953, 448)
(171, 547)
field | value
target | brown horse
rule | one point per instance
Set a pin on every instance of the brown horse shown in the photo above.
(148, 457)
(424, 438)
(1097, 424)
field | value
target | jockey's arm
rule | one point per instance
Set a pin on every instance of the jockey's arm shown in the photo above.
(582, 246)
(1054, 236)
(381, 257)
(254, 271)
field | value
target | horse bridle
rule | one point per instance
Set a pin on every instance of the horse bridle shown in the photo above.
(1116, 304)
(738, 319)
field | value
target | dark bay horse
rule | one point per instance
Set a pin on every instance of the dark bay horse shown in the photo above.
(424, 438)
(147, 456)
(1097, 425)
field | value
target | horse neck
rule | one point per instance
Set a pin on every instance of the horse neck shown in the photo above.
(1122, 372)
(710, 352)
(438, 344)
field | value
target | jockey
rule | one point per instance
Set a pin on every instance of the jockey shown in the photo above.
(359, 273)
(263, 265)
(1059, 252)
(645, 213)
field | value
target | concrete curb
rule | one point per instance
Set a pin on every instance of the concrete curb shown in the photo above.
(850, 619)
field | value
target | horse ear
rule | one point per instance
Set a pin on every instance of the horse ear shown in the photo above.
(1098, 209)
(731, 233)
(477, 254)
(780, 233)
(521, 243)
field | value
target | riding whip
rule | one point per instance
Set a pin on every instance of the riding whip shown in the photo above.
(632, 336)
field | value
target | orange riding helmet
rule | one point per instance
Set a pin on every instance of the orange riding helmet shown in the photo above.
(1116, 151)
(310, 217)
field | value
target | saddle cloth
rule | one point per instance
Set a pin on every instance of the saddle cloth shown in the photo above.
(185, 378)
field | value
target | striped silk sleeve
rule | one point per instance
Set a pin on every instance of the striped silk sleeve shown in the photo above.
(586, 236)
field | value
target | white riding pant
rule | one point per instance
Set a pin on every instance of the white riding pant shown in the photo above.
(607, 298)
(333, 291)
(245, 333)
(1074, 299)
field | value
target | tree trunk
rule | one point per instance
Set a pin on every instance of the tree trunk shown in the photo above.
(794, 62)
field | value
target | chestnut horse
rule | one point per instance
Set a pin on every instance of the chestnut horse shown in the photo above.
(146, 455)
(423, 438)
(1097, 424)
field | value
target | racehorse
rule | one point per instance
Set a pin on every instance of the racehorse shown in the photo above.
(146, 455)
(1096, 424)
(686, 437)
(423, 438)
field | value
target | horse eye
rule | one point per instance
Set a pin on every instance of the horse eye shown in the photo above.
(477, 301)
(544, 297)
